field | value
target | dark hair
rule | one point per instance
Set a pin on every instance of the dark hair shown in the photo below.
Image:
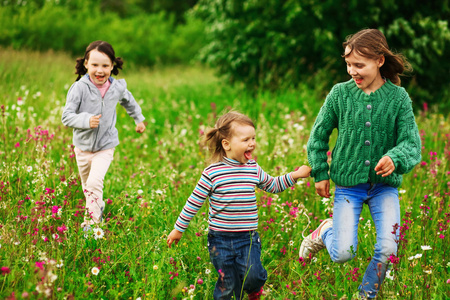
(372, 43)
(103, 47)
(223, 130)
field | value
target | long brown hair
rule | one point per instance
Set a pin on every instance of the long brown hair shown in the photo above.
(371, 43)
(103, 47)
(223, 130)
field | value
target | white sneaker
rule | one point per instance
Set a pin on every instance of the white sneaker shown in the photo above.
(313, 243)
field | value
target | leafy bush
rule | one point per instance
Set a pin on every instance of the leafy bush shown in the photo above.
(144, 39)
(275, 44)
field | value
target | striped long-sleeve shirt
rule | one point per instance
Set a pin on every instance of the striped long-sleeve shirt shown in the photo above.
(230, 187)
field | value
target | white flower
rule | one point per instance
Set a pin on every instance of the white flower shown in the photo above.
(61, 263)
(138, 298)
(207, 271)
(428, 271)
(402, 191)
(159, 191)
(418, 256)
(95, 271)
(389, 275)
(155, 267)
(291, 243)
(29, 169)
(59, 211)
(425, 248)
(98, 233)
(140, 192)
(55, 236)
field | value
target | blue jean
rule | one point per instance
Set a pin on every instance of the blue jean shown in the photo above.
(342, 239)
(237, 259)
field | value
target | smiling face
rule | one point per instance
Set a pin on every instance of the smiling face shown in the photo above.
(241, 144)
(364, 71)
(99, 67)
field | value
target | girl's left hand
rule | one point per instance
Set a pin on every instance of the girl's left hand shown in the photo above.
(140, 127)
(385, 166)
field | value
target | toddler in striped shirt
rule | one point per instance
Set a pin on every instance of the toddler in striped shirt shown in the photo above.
(229, 183)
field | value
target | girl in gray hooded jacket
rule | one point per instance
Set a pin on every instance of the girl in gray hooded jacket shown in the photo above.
(91, 111)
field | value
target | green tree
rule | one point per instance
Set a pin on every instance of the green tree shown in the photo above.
(274, 44)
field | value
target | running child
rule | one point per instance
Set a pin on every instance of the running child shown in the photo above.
(91, 111)
(378, 141)
(229, 183)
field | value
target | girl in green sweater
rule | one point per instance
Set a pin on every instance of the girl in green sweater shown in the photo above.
(378, 141)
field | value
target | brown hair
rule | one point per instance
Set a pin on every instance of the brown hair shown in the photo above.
(372, 43)
(223, 130)
(103, 47)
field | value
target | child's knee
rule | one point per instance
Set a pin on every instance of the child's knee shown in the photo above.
(342, 257)
(255, 280)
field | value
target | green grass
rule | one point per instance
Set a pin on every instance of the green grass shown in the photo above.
(153, 174)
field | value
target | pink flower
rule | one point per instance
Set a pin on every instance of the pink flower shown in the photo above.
(40, 264)
(448, 281)
(200, 281)
(17, 145)
(62, 229)
(441, 236)
(5, 270)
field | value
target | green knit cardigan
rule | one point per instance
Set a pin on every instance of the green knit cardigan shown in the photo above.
(369, 127)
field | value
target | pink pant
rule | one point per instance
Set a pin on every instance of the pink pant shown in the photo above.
(93, 167)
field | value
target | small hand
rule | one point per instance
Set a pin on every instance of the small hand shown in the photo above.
(94, 121)
(140, 127)
(385, 166)
(323, 188)
(302, 172)
(174, 236)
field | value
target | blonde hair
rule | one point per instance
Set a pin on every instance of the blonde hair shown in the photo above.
(223, 130)
(372, 43)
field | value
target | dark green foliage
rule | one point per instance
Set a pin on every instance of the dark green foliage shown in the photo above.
(274, 44)
(143, 39)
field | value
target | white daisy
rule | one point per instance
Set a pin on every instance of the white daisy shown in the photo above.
(95, 271)
(155, 267)
(425, 248)
(98, 233)
(207, 271)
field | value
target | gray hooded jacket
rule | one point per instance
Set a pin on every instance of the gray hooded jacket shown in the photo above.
(84, 100)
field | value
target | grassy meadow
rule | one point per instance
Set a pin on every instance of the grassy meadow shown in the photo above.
(44, 254)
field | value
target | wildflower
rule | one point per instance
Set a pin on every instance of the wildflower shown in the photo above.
(17, 145)
(207, 271)
(428, 271)
(402, 191)
(159, 192)
(40, 264)
(98, 233)
(155, 267)
(425, 248)
(62, 229)
(95, 271)
(291, 243)
(5, 270)
(140, 192)
(55, 236)
(200, 281)
(448, 281)
(61, 263)
(29, 169)
(389, 275)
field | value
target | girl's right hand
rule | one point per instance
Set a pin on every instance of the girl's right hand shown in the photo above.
(174, 236)
(323, 188)
(94, 121)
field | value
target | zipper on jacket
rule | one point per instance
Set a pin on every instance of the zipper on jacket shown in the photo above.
(98, 127)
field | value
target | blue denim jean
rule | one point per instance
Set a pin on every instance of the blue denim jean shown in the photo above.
(237, 259)
(342, 239)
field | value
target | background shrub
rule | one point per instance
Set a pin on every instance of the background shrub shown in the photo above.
(276, 44)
